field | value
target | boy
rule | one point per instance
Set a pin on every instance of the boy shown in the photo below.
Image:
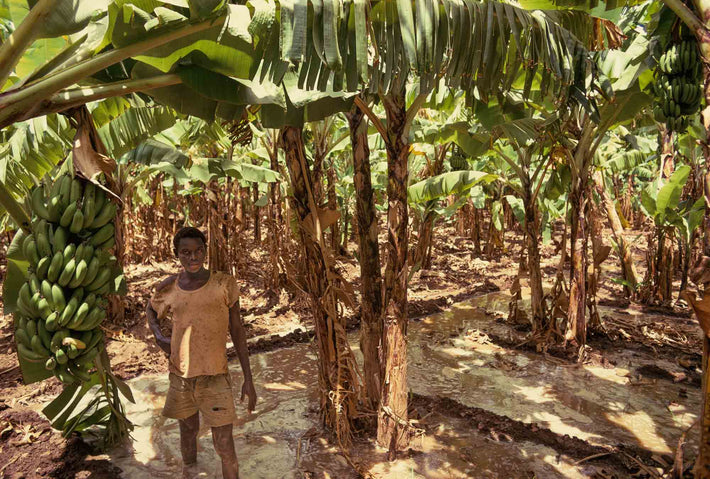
(204, 305)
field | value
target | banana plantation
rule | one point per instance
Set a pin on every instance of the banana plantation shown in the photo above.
(471, 237)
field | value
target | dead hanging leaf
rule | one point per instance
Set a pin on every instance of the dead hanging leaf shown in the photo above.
(88, 152)
(327, 218)
(701, 308)
(601, 255)
(700, 274)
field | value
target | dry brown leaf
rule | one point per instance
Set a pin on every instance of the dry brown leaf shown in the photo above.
(327, 218)
(701, 308)
(88, 153)
(601, 254)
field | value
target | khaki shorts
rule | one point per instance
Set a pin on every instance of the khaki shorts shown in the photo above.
(210, 395)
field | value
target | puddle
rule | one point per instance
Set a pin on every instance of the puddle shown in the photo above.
(282, 438)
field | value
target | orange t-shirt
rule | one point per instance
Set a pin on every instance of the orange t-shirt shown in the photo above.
(200, 324)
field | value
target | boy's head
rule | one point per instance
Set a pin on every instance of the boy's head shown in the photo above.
(190, 246)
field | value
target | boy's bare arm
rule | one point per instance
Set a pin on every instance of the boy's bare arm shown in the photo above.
(162, 340)
(239, 338)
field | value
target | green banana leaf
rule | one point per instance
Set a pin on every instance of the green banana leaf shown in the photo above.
(446, 184)
(152, 152)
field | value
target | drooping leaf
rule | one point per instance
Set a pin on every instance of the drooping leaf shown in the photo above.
(447, 184)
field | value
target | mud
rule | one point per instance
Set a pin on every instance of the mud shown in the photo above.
(481, 411)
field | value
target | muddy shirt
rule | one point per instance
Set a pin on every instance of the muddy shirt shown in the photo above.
(200, 324)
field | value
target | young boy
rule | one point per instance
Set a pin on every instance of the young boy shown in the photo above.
(204, 305)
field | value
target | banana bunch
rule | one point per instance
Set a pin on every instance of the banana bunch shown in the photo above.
(677, 87)
(458, 160)
(71, 271)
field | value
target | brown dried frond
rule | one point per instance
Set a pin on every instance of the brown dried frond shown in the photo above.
(238, 130)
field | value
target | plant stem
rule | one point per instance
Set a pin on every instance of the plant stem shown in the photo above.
(14, 209)
(687, 16)
(12, 49)
(82, 95)
(17, 103)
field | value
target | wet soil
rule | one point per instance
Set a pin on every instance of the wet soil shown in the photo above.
(460, 433)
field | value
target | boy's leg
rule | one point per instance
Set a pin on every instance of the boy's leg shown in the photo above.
(189, 428)
(224, 445)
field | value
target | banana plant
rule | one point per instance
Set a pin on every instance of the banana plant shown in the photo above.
(661, 201)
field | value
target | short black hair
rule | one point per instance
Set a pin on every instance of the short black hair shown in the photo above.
(187, 232)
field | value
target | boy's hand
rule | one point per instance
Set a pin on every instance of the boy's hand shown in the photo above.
(248, 390)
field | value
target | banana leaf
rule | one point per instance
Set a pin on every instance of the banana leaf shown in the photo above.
(446, 184)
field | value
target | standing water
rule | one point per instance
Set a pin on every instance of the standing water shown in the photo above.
(449, 357)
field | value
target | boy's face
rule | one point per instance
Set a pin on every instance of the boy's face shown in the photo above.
(191, 253)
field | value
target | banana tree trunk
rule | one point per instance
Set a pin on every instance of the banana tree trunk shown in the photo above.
(628, 270)
(370, 274)
(539, 322)
(256, 214)
(337, 370)
(274, 223)
(333, 205)
(422, 254)
(392, 431)
(576, 317)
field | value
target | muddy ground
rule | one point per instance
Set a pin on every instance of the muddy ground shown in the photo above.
(668, 336)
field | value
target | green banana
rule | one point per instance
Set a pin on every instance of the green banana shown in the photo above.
(30, 252)
(58, 300)
(72, 352)
(93, 319)
(68, 253)
(57, 339)
(55, 209)
(43, 334)
(39, 207)
(108, 244)
(37, 347)
(76, 190)
(34, 302)
(31, 327)
(65, 189)
(52, 322)
(88, 253)
(100, 280)
(46, 290)
(99, 201)
(79, 274)
(67, 272)
(77, 222)
(68, 215)
(43, 267)
(79, 316)
(102, 235)
(43, 247)
(22, 338)
(55, 267)
(89, 204)
(71, 341)
(50, 364)
(89, 355)
(61, 236)
(105, 215)
(92, 271)
(61, 356)
(44, 308)
(34, 283)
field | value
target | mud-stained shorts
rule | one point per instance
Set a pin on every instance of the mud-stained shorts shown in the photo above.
(210, 395)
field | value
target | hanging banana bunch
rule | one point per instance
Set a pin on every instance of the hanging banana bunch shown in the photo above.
(677, 87)
(457, 160)
(71, 272)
